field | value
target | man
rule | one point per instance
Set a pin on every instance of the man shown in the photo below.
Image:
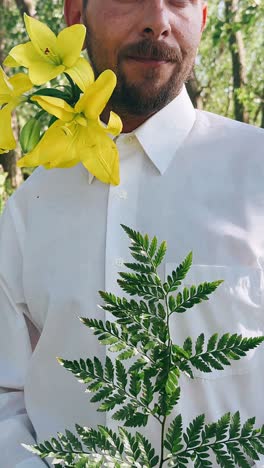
(190, 177)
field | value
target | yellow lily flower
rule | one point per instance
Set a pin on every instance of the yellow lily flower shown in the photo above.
(11, 90)
(47, 55)
(78, 135)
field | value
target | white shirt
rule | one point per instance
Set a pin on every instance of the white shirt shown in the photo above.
(190, 177)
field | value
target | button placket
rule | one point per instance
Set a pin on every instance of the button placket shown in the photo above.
(122, 209)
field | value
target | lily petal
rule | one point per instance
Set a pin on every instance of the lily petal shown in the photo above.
(81, 73)
(98, 154)
(70, 43)
(10, 62)
(54, 142)
(55, 106)
(21, 83)
(114, 124)
(4, 99)
(40, 72)
(23, 54)
(63, 165)
(98, 94)
(5, 86)
(7, 140)
(41, 36)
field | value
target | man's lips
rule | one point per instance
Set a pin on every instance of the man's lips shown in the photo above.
(148, 61)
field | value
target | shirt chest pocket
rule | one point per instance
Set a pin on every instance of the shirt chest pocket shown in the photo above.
(235, 307)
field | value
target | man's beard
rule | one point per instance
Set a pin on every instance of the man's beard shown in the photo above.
(146, 98)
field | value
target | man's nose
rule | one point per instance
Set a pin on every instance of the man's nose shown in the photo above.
(156, 21)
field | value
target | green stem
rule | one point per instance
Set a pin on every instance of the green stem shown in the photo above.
(162, 442)
(169, 365)
(40, 114)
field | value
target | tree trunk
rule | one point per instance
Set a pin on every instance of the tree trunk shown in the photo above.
(194, 91)
(25, 6)
(238, 56)
(262, 116)
(9, 160)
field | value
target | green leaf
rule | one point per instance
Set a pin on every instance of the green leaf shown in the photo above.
(212, 342)
(173, 440)
(199, 345)
(102, 394)
(194, 295)
(172, 303)
(109, 369)
(98, 367)
(180, 352)
(140, 268)
(137, 420)
(121, 374)
(172, 401)
(127, 354)
(135, 383)
(160, 254)
(111, 438)
(235, 426)
(187, 345)
(235, 451)
(147, 390)
(124, 413)
(222, 457)
(172, 381)
(74, 441)
(147, 453)
(194, 432)
(222, 427)
(247, 428)
(131, 448)
(174, 280)
(111, 402)
(53, 93)
(153, 247)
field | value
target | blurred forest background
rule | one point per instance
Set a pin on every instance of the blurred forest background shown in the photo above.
(228, 78)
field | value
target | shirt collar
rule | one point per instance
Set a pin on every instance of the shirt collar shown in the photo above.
(163, 133)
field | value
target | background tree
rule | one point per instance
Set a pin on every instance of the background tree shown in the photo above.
(230, 66)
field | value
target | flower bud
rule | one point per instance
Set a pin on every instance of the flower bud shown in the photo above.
(30, 135)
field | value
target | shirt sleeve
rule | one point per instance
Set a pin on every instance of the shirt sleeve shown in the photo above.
(15, 352)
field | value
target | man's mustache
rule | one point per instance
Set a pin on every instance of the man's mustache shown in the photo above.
(152, 50)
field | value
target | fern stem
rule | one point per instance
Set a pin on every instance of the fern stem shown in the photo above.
(169, 365)
(162, 442)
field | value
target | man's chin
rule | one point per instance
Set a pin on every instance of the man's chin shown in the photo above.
(136, 101)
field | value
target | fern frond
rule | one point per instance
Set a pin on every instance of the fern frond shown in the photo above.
(193, 295)
(174, 280)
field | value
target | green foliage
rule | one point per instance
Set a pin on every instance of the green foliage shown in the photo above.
(214, 68)
(149, 386)
(51, 13)
(5, 188)
(3, 191)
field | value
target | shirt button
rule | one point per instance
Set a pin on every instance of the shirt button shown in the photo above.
(130, 139)
(122, 194)
(119, 262)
